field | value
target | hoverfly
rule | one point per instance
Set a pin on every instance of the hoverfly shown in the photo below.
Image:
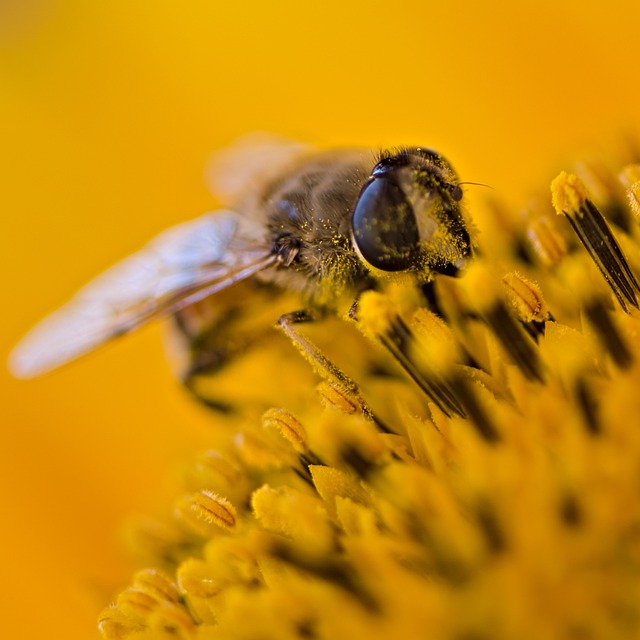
(326, 224)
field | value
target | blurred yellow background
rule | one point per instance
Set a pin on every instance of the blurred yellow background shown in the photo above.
(108, 112)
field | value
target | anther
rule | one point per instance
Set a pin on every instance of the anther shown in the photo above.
(570, 198)
(548, 243)
(204, 510)
(288, 426)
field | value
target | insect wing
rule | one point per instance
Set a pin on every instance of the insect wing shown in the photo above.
(179, 267)
(248, 163)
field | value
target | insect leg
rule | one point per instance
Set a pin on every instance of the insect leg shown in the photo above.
(205, 338)
(206, 361)
(326, 368)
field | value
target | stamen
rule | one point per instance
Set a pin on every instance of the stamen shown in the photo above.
(194, 579)
(525, 298)
(334, 571)
(136, 604)
(588, 405)
(115, 625)
(332, 484)
(571, 512)
(156, 584)
(547, 241)
(355, 459)
(379, 319)
(633, 197)
(205, 511)
(486, 298)
(570, 198)
(291, 429)
(517, 343)
(490, 527)
(629, 175)
(300, 515)
(336, 398)
(288, 426)
(605, 190)
(475, 411)
(608, 334)
(172, 621)
(630, 179)
(218, 472)
(155, 542)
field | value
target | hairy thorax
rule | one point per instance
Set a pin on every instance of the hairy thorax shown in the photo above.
(307, 215)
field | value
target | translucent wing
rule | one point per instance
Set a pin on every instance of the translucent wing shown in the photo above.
(179, 267)
(249, 162)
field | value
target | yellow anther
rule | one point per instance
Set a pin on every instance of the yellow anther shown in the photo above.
(288, 425)
(156, 584)
(525, 298)
(548, 243)
(205, 509)
(336, 398)
(194, 579)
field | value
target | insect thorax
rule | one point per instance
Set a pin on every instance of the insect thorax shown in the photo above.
(308, 216)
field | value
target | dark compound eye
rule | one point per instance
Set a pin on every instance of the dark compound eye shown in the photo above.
(384, 226)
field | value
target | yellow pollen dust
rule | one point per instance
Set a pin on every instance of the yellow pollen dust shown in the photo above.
(568, 193)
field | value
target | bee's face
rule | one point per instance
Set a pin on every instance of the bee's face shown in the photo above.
(407, 216)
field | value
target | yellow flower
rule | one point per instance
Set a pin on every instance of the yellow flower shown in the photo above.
(491, 493)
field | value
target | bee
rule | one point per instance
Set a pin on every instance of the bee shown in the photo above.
(327, 225)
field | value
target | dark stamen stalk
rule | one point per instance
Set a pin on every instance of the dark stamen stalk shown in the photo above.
(570, 198)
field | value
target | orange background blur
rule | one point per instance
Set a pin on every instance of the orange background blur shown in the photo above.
(108, 112)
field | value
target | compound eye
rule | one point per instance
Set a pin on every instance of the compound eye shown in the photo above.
(384, 226)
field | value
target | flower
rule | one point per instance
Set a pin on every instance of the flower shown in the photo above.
(491, 493)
